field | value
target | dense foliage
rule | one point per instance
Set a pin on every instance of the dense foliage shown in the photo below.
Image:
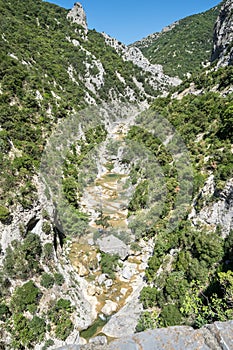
(49, 69)
(190, 273)
(185, 47)
(45, 76)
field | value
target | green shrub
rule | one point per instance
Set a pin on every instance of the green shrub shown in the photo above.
(59, 279)
(170, 316)
(109, 263)
(64, 328)
(4, 213)
(46, 227)
(47, 344)
(48, 251)
(47, 280)
(25, 298)
(4, 312)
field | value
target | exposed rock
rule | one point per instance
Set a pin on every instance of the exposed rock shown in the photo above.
(78, 15)
(223, 36)
(217, 336)
(129, 271)
(219, 212)
(81, 269)
(100, 340)
(175, 338)
(109, 307)
(113, 245)
(133, 54)
(108, 283)
(69, 347)
(125, 320)
(101, 278)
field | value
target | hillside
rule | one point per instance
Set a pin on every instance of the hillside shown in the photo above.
(116, 190)
(183, 47)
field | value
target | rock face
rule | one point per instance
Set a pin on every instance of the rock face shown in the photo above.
(113, 245)
(219, 212)
(78, 15)
(223, 36)
(217, 336)
(134, 55)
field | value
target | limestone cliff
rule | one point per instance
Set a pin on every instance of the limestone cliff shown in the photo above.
(218, 336)
(223, 36)
(78, 15)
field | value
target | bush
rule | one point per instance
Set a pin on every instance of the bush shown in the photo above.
(109, 263)
(23, 260)
(64, 328)
(26, 333)
(59, 279)
(47, 280)
(25, 298)
(170, 316)
(4, 214)
(4, 312)
(47, 344)
(48, 251)
(60, 316)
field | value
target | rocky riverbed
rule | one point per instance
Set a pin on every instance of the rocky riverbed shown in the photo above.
(112, 296)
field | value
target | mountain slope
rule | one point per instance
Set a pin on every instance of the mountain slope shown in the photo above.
(67, 266)
(50, 67)
(182, 47)
(222, 50)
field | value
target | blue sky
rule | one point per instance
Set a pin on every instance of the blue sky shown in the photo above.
(131, 20)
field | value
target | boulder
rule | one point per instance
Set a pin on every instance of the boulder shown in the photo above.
(113, 245)
(109, 307)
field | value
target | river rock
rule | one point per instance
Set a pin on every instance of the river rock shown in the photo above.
(108, 283)
(91, 290)
(129, 271)
(100, 340)
(113, 245)
(82, 271)
(124, 291)
(101, 278)
(109, 307)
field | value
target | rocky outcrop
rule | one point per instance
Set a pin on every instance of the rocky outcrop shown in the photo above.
(133, 54)
(113, 245)
(223, 36)
(217, 336)
(215, 213)
(78, 15)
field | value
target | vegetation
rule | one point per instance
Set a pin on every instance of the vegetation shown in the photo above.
(22, 259)
(47, 280)
(191, 291)
(4, 213)
(37, 90)
(59, 315)
(108, 264)
(25, 298)
(44, 78)
(185, 47)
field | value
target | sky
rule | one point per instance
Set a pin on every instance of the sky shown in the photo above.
(131, 20)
